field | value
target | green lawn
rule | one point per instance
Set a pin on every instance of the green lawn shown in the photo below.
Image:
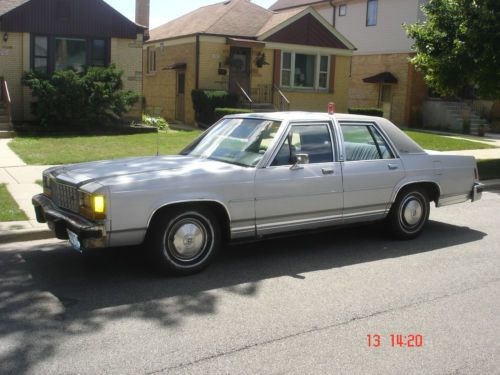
(436, 142)
(488, 169)
(9, 210)
(44, 150)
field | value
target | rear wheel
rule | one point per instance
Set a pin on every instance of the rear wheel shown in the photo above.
(409, 213)
(184, 242)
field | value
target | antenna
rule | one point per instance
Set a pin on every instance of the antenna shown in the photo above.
(157, 142)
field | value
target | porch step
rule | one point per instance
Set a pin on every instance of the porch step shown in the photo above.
(263, 107)
(7, 134)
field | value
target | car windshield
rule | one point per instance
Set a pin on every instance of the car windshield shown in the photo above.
(240, 141)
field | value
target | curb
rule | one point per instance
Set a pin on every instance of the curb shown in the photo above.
(491, 184)
(26, 235)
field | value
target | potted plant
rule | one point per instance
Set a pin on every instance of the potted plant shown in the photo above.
(260, 60)
(481, 130)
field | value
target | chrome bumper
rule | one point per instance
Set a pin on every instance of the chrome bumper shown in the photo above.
(90, 235)
(477, 191)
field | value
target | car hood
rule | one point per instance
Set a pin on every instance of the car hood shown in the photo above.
(98, 171)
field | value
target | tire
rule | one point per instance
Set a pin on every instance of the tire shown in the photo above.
(183, 242)
(409, 213)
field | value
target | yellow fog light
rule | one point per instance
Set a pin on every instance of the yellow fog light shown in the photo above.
(98, 201)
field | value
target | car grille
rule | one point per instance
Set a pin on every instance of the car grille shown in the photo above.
(65, 196)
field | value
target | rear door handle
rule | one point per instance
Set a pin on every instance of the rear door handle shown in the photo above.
(327, 170)
(392, 166)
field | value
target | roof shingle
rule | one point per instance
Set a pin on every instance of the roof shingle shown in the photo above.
(8, 5)
(286, 4)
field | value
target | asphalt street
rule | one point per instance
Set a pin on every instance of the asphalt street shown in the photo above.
(296, 305)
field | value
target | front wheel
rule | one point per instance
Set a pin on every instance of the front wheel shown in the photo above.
(409, 213)
(184, 242)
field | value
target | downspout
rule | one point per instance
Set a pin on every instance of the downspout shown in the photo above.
(334, 8)
(197, 67)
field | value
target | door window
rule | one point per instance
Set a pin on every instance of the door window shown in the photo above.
(313, 141)
(364, 142)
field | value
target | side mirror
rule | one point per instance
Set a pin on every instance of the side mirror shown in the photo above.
(302, 158)
(297, 160)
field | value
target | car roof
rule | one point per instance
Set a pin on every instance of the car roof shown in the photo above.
(401, 141)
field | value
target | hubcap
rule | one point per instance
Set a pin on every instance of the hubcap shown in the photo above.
(188, 239)
(412, 211)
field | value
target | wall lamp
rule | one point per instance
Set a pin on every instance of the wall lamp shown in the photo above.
(5, 37)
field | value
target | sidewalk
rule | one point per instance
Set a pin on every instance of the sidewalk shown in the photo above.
(20, 180)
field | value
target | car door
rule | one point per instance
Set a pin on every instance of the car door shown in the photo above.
(308, 194)
(371, 168)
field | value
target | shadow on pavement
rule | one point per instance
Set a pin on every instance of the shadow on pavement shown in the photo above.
(47, 293)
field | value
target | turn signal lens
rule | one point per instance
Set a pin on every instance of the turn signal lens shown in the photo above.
(98, 204)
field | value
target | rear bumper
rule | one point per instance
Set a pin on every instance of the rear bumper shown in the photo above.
(90, 235)
(477, 191)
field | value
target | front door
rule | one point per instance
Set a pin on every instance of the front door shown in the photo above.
(179, 99)
(239, 69)
(307, 195)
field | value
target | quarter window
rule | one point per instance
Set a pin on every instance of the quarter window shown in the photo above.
(364, 142)
(300, 70)
(371, 12)
(312, 141)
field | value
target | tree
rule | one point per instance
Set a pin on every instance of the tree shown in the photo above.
(458, 45)
(70, 99)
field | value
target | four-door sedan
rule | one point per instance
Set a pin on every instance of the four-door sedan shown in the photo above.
(250, 176)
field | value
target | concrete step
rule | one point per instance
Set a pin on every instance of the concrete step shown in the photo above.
(7, 134)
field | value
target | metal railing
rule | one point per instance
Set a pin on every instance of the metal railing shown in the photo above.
(245, 95)
(5, 98)
(281, 99)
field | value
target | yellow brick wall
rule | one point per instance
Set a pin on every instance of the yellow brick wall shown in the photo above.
(308, 100)
(127, 55)
(211, 54)
(11, 68)
(160, 87)
(363, 94)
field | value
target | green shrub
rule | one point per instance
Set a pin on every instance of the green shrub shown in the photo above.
(70, 99)
(221, 112)
(378, 112)
(156, 121)
(205, 102)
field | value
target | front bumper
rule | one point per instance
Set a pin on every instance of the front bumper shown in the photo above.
(477, 191)
(90, 235)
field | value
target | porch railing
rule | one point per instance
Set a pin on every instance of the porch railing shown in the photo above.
(5, 98)
(245, 95)
(281, 100)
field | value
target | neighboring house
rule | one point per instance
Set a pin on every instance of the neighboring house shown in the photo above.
(239, 46)
(381, 73)
(48, 35)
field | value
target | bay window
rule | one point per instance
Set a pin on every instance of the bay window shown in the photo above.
(307, 71)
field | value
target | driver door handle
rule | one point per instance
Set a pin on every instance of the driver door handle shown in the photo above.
(392, 166)
(327, 170)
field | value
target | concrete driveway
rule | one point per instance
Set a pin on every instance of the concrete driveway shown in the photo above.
(297, 305)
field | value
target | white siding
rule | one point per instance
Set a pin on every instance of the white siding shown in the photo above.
(387, 36)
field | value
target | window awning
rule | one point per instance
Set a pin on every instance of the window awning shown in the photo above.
(176, 66)
(384, 77)
(248, 43)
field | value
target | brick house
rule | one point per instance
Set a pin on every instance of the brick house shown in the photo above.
(48, 35)
(241, 47)
(381, 75)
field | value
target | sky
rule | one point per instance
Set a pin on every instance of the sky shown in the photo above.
(163, 11)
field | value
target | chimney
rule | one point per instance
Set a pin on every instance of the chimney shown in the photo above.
(142, 12)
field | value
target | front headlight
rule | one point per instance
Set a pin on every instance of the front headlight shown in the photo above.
(47, 189)
(92, 206)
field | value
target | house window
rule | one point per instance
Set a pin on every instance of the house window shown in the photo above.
(41, 54)
(54, 53)
(342, 10)
(306, 71)
(371, 12)
(151, 59)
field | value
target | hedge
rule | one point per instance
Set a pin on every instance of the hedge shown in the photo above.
(378, 112)
(205, 102)
(221, 112)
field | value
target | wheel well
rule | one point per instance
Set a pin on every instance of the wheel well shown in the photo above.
(216, 208)
(431, 188)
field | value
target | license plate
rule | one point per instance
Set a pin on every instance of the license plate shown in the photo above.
(73, 240)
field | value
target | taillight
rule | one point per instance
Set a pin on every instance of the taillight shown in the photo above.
(476, 174)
